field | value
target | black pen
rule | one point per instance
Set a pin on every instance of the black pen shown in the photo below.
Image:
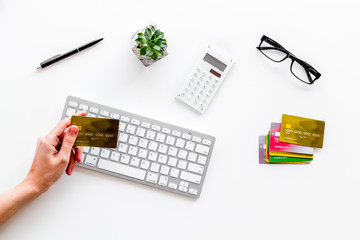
(59, 57)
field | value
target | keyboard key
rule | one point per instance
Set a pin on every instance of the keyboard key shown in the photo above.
(173, 151)
(105, 153)
(73, 104)
(173, 185)
(155, 127)
(170, 140)
(135, 122)
(182, 164)
(192, 157)
(142, 153)
(163, 181)
(125, 159)
(122, 126)
(163, 148)
(172, 162)
(190, 146)
(123, 137)
(90, 160)
(160, 137)
(153, 146)
(83, 158)
(150, 135)
(202, 159)
(115, 116)
(174, 172)
(190, 177)
(152, 177)
(186, 136)
(180, 143)
(162, 159)
(143, 143)
(164, 170)
(196, 139)
(70, 112)
(95, 151)
(144, 164)
(125, 119)
(135, 162)
(182, 154)
(152, 156)
(91, 115)
(133, 140)
(206, 142)
(122, 169)
(183, 189)
(122, 148)
(133, 150)
(94, 110)
(104, 113)
(83, 107)
(145, 125)
(202, 149)
(140, 132)
(193, 191)
(130, 129)
(184, 184)
(115, 156)
(86, 149)
(196, 168)
(155, 167)
(176, 133)
(166, 130)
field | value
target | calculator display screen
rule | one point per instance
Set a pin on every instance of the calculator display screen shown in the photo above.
(215, 62)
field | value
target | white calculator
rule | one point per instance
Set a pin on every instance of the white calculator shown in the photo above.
(205, 79)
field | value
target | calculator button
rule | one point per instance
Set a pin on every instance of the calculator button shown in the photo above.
(201, 78)
(204, 74)
(197, 69)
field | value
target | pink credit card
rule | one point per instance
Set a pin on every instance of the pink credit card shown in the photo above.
(276, 145)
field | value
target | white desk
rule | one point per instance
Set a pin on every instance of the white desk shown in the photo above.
(241, 199)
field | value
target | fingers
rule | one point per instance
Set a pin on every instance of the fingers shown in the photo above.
(71, 164)
(78, 153)
(68, 143)
(59, 129)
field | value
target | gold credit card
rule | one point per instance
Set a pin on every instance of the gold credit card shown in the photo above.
(302, 131)
(96, 132)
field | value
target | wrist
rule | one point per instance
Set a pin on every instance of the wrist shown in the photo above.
(32, 188)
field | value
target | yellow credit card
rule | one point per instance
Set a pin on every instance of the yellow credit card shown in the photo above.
(302, 131)
(96, 132)
(287, 154)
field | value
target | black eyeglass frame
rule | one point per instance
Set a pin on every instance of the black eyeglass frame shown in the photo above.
(276, 46)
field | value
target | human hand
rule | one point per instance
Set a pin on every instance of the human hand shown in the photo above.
(55, 153)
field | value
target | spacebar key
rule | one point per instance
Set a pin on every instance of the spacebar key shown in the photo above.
(122, 169)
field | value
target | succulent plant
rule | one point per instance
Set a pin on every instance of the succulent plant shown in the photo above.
(151, 43)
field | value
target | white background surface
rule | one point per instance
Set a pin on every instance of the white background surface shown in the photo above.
(241, 199)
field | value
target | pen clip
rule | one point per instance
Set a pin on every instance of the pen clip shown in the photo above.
(47, 60)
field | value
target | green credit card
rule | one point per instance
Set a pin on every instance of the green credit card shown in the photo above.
(96, 132)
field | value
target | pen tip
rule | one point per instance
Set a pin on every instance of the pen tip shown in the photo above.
(39, 67)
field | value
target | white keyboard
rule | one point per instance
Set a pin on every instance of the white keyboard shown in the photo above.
(150, 152)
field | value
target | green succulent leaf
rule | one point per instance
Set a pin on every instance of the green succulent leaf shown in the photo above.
(141, 35)
(140, 41)
(143, 50)
(157, 34)
(156, 47)
(161, 35)
(149, 51)
(154, 56)
(161, 52)
(163, 44)
(148, 33)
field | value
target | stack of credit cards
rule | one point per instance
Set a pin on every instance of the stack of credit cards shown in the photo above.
(291, 141)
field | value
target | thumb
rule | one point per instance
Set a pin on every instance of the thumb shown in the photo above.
(68, 142)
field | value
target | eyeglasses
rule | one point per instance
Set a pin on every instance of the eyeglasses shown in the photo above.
(277, 53)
